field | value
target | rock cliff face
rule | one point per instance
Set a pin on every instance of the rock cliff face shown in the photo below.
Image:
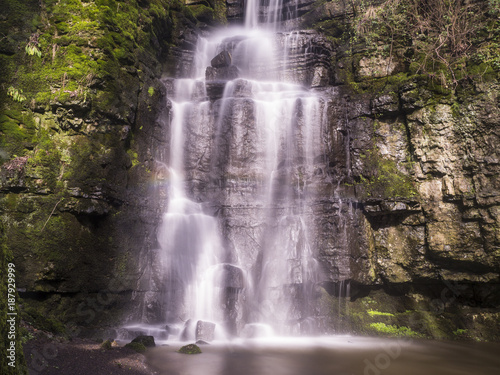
(419, 165)
(79, 148)
(407, 170)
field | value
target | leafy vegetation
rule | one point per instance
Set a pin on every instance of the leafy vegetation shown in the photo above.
(32, 46)
(442, 37)
(460, 332)
(378, 313)
(16, 94)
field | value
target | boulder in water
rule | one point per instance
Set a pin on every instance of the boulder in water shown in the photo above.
(222, 60)
(137, 346)
(147, 341)
(205, 331)
(190, 349)
(187, 332)
(221, 74)
(233, 276)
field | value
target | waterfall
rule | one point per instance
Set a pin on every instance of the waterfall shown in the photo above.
(270, 16)
(236, 246)
(189, 239)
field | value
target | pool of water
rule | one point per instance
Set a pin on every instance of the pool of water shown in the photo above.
(340, 355)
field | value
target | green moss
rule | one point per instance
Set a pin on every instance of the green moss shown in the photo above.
(25, 335)
(211, 12)
(137, 346)
(10, 201)
(73, 37)
(378, 313)
(52, 244)
(383, 179)
(151, 91)
(133, 157)
(460, 332)
(202, 13)
(45, 164)
(42, 322)
(82, 92)
(333, 29)
(17, 130)
(220, 11)
(80, 170)
(60, 246)
(106, 345)
(392, 330)
(121, 265)
(190, 349)
(62, 28)
(439, 327)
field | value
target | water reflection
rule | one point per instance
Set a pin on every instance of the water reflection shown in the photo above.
(343, 355)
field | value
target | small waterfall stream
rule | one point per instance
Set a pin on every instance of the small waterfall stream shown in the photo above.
(256, 278)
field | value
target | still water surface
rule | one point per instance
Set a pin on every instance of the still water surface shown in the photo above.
(339, 355)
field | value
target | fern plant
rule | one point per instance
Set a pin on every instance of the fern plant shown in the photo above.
(31, 50)
(16, 94)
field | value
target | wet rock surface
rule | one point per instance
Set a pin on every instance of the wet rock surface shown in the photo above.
(205, 331)
(147, 341)
(222, 60)
(221, 73)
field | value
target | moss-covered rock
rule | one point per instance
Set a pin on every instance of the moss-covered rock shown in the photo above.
(42, 322)
(384, 179)
(147, 341)
(72, 153)
(137, 346)
(106, 345)
(190, 349)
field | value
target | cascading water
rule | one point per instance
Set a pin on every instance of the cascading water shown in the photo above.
(189, 239)
(265, 126)
(269, 17)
